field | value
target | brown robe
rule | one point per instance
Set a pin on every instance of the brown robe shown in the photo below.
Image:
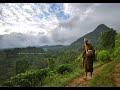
(88, 61)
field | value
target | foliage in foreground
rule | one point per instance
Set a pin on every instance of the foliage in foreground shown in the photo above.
(27, 79)
(64, 68)
(33, 78)
(103, 56)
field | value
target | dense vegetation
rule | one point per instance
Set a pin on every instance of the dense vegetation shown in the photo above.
(103, 55)
(31, 58)
(36, 66)
(108, 39)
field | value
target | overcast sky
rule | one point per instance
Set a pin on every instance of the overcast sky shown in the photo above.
(37, 24)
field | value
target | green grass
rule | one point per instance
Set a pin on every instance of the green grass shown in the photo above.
(58, 80)
(98, 64)
(103, 78)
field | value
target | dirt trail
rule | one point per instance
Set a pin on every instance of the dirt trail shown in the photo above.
(116, 75)
(80, 81)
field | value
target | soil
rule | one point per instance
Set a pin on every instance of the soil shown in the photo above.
(116, 75)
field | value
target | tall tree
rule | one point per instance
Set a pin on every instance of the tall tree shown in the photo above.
(108, 38)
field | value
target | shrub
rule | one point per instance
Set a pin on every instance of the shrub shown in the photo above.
(117, 41)
(96, 54)
(43, 73)
(29, 78)
(63, 68)
(103, 55)
(116, 53)
(51, 73)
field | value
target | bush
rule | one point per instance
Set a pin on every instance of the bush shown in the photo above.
(51, 73)
(29, 78)
(116, 53)
(43, 73)
(64, 68)
(103, 56)
(117, 41)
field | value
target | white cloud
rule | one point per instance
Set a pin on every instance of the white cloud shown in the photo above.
(23, 21)
(38, 26)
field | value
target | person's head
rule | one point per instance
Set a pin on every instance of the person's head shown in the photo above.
(86, 41)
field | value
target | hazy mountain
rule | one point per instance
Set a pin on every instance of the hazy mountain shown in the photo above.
(92, 36)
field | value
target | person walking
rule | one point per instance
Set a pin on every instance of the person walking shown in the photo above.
(88, 56)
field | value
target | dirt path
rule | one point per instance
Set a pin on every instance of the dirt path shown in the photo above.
(116, 75)
(80, 82)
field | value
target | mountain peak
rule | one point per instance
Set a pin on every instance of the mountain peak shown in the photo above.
(102, 26)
